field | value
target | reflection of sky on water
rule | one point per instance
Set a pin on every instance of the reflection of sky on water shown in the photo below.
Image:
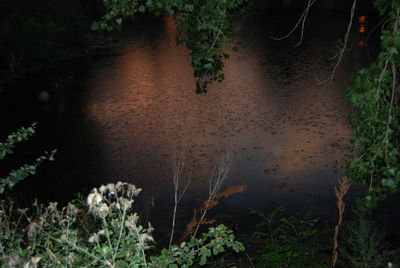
(288, 132)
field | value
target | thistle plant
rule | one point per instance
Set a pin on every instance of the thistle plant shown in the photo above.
(105, 233)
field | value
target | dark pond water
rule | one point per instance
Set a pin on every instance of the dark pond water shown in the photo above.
(122, 118)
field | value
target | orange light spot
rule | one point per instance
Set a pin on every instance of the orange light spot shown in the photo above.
(362, 19)
(362, 29)
(361, 43)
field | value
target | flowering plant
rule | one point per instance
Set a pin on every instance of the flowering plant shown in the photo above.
(103, 233)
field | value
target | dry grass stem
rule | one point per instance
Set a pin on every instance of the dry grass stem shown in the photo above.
(344, 185)
(198, 214)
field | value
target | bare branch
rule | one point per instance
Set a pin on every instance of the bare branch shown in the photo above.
(217, 180)
(302, 20)
(179, 163)
(344, 47)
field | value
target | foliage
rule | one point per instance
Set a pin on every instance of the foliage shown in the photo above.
(19, 174)
(363, 243)
(288, 242)
(204, 27)
(112, 237)
(375, 121)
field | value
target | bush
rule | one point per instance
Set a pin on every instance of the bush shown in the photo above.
(288, 242)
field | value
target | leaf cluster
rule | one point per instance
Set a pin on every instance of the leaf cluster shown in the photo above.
(288, 241)
(7, 147)
(375, 121)
(204, 27)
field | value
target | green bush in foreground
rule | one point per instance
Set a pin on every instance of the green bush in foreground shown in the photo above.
(102, 232)
(288, 241)
(364, 244)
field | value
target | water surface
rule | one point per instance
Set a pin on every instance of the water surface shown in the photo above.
(125, 118)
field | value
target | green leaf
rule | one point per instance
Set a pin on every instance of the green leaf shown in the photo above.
(208, 66)
(142, 9)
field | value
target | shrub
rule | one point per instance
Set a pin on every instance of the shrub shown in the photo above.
(288, 242)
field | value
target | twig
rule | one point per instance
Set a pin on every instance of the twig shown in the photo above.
(215, 186)
(302, 20)
(251, 262)
(344, 48)
(179, 163)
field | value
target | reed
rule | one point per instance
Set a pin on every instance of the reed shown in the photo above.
(344, 185)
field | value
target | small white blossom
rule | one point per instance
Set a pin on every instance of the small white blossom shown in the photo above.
(131, 221)
(52, 207)
(94, 199)
(35, 261)
(34, 226)
(120, 185)
(150, 228)
(72, 210)
(71, 258)
(111, 189)
(132, 190)
(144, 239)
(94, 238)
(101, 232)
(102, 189)
(126, 203)
(103, 210)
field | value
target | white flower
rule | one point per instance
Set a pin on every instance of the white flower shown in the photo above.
(144, 239)
(32, 263)
(115, 205)
(35, 260)
(111, 189)
(94, 238)
(131, 221)
(72, 210)
(34, 226)
(52, 207)
(71, 258)
(101, 232)
(126, 203)
(94, 199)
(103, 209)
(102, 189)
(132, 190)
(120, 185)
(150, 228)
